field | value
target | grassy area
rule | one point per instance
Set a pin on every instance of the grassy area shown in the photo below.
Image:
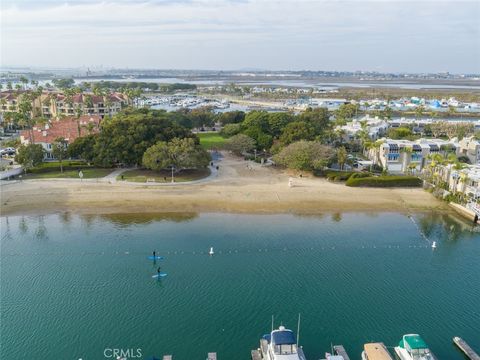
(163, 176)
(88, 173)
(211, 140)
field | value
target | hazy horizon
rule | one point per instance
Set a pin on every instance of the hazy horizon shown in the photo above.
(234, 35)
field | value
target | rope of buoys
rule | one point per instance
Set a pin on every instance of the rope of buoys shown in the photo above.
(227, 251)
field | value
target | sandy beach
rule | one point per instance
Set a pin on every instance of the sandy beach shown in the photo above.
(236, 188)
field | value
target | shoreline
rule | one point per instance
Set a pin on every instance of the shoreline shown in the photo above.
(239, 187)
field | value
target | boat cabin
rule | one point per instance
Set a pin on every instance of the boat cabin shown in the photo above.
(282, 341)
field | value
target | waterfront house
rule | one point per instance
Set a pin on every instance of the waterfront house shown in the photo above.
(69, 128)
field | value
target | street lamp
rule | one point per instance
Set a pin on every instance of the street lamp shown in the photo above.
(173, 167)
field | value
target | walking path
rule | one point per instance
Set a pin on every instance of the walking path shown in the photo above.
(112, 177)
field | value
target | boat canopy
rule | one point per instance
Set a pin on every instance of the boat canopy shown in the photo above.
(283, 337)
(413, 342)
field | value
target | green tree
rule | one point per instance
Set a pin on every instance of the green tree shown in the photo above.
(30, 155)
(305, 155)
(179, 153)
(126, 136)
(262, 139)
(231, 117)
(277, 122)
(24, 81)
(83, 148)
(318, 118)
(231, 130)
(399, 133)
(347, 111)
(341, 157)
(258, 120)
(59, 150)
(240, 144)
(297, 130)
(63, 83)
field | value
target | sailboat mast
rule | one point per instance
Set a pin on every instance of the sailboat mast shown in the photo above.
(298, 329)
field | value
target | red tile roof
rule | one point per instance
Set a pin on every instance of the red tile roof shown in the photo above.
(69, 128)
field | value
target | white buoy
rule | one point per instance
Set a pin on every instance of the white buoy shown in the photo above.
(434, 245)
(211, 251)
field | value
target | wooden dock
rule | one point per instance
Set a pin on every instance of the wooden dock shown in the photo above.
(467, 350)
(340, 350)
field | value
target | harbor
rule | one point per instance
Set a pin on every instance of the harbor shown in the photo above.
(323, 266)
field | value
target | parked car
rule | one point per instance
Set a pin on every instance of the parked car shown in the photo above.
(8, 151)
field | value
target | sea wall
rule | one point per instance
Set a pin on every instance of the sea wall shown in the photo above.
(9, 173)
(462, 210)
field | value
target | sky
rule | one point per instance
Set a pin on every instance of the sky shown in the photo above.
(382, 35)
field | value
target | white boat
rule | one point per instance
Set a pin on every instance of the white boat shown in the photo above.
(375, 351)
(412, 347)
(280, 344)
(211, 251)
(434, 245)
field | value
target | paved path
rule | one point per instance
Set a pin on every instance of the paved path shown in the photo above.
(112, 177)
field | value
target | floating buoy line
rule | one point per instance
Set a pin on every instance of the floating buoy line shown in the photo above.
(206, 253)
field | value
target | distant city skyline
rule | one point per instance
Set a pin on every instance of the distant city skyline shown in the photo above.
(385, 36)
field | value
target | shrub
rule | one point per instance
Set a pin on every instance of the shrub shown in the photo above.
(384, 181)
(338, 175)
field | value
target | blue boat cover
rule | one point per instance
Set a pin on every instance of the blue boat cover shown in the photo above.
(284, 337)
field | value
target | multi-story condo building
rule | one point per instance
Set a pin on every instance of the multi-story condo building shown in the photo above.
(469, 147)
(465, 180)
(55, 105)
(403, 156)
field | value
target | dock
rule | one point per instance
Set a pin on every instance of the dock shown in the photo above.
(467, 350)
(212, 356)
(167, 357)
(340, 350)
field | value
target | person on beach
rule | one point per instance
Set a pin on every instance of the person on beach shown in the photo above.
(158, 270)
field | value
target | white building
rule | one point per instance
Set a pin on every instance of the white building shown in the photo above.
(469, 147)
(403, 156)
(376, 128)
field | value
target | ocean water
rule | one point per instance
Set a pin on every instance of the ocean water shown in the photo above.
(77, 287)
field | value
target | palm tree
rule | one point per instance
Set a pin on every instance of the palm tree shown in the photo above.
(24, 81)
(341, 157)
(407, 157)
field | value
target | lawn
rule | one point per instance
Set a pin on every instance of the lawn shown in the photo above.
(88, 173)
(211, 140)
(163, 176)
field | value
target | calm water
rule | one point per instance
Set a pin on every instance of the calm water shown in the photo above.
(72, 286)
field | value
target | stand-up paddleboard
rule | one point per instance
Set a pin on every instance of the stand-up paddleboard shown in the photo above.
(159, 275)
(151, 257)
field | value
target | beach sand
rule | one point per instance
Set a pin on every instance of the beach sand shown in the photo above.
(236, 189)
